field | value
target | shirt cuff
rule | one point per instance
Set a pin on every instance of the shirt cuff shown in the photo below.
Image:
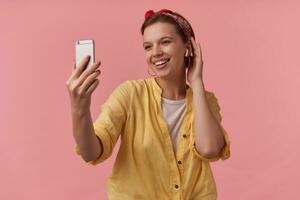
(224, 153)
(105, 149)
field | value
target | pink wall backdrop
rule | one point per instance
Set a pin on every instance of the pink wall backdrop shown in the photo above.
(251, 62)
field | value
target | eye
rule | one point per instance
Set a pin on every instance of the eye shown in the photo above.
(146, 47)
(166, 42)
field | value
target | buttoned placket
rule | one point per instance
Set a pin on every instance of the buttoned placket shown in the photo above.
(184, 132)
(176, 165)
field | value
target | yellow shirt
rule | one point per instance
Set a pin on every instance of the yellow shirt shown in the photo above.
(146, 166)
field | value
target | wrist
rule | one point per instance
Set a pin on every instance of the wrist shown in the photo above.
(79, 111)
(198, 84)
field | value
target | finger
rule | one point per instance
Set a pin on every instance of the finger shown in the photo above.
(195, 51)
(200, 52)
(87, 82)
(94, 67)
(195, 47)
(82, 65)
(82, 76)
(92, 88)
(89, 71)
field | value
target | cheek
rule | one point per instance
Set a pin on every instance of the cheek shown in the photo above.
(175, 52)
(148, 58)
(179, 55)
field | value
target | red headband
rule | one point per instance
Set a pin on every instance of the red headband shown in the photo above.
(184, 25)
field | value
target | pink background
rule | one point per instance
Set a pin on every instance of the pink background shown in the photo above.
(251, 63)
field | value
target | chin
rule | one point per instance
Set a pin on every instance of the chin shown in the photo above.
(162, 72)
(164, 75)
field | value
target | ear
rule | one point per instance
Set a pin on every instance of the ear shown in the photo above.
(189, 46)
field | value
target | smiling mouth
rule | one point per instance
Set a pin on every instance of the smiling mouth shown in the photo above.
(162, 64)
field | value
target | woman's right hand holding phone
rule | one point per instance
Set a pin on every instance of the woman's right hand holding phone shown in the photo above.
(82, 83)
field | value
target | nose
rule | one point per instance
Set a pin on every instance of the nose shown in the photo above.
(156, 51)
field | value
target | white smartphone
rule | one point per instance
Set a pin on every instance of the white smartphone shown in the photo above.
(84, 48)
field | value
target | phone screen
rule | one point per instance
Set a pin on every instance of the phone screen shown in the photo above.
(84, 48)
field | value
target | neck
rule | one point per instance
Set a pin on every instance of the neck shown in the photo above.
(174, 89)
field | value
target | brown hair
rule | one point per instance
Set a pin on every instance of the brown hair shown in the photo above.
(158, 17)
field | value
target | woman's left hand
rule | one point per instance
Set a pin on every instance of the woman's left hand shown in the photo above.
(194, 74)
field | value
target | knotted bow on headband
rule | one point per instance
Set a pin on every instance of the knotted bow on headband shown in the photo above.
(184, 25)
(149, 13)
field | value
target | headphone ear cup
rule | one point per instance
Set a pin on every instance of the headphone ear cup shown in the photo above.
(186, 53)
(190, 61)
(187, 61)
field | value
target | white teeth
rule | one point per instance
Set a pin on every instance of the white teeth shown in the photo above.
(161, 62)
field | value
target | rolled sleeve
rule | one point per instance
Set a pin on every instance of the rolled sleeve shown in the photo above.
(224, 153)
(109, 124)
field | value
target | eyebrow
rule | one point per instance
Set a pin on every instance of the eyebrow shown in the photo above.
(169, 37)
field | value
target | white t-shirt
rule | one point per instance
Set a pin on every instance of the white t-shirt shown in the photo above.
(173, 111)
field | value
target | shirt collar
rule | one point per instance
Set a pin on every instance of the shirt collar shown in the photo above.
(158, 91)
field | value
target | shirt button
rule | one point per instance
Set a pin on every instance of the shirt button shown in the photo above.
(176, 186)
(179, 162)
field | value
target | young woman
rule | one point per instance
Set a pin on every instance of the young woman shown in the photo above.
(170, 126)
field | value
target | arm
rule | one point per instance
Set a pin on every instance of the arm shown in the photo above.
(84, 134)
(209, 139)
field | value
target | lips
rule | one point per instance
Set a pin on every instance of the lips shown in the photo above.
(161, 63)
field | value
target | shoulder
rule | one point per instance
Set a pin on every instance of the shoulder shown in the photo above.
(209, 95)
(212, 99)
(135, 85)
(130, 89)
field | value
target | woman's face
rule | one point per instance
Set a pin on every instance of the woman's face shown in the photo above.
(164, 50)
